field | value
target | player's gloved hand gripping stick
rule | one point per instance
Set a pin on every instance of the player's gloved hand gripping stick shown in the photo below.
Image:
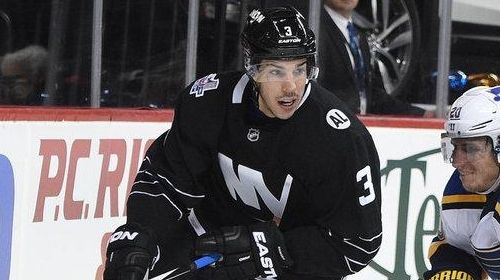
(132, 252)
(247, 251)
(237, 252)
(195, 265)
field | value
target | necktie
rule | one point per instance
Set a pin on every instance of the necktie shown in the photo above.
(359, 65)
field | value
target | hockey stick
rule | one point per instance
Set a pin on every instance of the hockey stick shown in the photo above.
(195, 265)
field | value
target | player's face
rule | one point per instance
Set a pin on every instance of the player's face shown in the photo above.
(343, 7)
(281, 86)
(476, 163)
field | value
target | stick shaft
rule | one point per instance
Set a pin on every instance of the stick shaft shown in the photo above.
(195, 265)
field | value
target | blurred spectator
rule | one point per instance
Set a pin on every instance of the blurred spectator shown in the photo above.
(23, 76)
(345, 68)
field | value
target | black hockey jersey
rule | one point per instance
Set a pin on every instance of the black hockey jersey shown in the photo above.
(470, 222)
(223, 162)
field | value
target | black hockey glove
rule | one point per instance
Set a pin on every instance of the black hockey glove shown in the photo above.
(451, 274)
(451, 263)
(247, 251)
(132, 252)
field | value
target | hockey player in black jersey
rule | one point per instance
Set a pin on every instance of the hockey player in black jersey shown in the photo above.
(263, 168)
(468, 244)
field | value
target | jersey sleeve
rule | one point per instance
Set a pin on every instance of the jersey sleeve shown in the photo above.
(346, 230)
(460, 211)
(486, 239)
(179, 161)
(170, 181)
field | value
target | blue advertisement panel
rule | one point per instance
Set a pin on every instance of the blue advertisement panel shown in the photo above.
(6, 214)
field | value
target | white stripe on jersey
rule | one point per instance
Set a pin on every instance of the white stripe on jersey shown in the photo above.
(347, 241)
(371, 238)
(240, 88)
(349, 262)
(359, 243)
(179, 191)
(160, 195)
(147, 182)
(171, 185)
(195, 223)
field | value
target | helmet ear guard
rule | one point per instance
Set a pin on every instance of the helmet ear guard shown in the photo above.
(446, 147)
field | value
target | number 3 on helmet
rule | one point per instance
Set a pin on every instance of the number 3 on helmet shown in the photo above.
(278, 33)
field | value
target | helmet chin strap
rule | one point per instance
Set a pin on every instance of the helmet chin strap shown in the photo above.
(496, 150)
(256, 92)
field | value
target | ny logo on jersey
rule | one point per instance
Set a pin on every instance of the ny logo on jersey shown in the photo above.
(248, 182)
(208, 82)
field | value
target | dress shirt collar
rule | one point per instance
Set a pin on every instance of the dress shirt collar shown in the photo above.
(339, 20)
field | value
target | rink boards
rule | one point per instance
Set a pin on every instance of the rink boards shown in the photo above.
(64, 176)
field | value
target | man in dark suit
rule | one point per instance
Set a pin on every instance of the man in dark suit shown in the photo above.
(344, 63)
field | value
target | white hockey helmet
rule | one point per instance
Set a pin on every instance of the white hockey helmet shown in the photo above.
(475, 113)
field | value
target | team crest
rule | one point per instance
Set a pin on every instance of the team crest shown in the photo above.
(253, 134)
(337, 119)
(206, 83)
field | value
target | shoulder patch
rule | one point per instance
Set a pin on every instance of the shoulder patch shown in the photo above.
(337, 119)
(206, 83)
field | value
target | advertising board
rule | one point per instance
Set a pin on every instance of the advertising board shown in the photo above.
(64, 182)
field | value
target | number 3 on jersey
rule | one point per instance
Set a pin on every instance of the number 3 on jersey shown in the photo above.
(367, 185)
